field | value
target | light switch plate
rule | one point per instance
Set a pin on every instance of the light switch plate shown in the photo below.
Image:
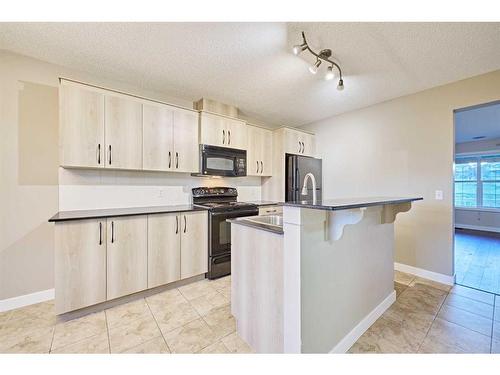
(439, 195)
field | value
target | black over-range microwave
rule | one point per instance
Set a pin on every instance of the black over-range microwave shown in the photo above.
(222, 161)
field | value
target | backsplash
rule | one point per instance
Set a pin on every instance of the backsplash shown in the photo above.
(81, 189)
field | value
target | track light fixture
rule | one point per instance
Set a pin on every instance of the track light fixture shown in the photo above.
(323, 55)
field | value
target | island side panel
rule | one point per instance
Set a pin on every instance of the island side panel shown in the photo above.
(342, 281)
(257, 287)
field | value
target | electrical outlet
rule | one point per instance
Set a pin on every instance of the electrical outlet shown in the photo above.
(439, 195)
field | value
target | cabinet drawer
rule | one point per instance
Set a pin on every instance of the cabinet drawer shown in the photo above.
(271, 210)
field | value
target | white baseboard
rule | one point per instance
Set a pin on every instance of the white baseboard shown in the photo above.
(27, 299)
(478, 227)
(345, 344)
(430, 275)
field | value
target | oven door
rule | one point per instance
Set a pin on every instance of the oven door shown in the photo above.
(222, 161)
(220, 230)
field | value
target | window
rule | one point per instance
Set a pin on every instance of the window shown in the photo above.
(477, 182)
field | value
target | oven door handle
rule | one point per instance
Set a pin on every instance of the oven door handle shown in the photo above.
(240, 213)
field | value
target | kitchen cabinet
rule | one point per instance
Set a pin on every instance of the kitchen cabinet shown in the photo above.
(299, 143)
(81, 133)
(271, 210)
(164, 249)
(80, 264)
(170, 138)
(126, 247)
(186, 145)
(177, 247)
(123, 132)
(259, 151)
(194, 243)
(158, 137)
(222, 131)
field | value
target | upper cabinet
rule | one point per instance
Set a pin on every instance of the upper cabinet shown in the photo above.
(123, 132)
(104, 129)
(222, 131)
(259, 151)
(170, 138)
(299, 143)
(81, 134)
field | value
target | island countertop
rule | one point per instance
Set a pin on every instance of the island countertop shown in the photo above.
(348, 203)
(117, 212)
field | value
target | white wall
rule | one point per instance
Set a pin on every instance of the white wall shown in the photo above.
(404, 147)
(33, 187)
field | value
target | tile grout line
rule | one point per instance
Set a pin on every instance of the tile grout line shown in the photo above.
(156, 321)
(433, 320)
(107, 331)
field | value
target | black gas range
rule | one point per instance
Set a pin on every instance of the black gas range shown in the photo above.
(222, 204)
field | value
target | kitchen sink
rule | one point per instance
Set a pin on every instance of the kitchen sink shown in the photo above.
(272, 220)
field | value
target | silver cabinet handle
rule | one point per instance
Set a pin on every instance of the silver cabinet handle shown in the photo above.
(177, 160)
(261, 166)
(169, 159)
(185, 224)
(223, 137)
(303, 147)
(176, 224)
(112, 232)
(109, 148)
(229, 137)
(99, 153)
(100, 233)
(299, 147)
(257, 171)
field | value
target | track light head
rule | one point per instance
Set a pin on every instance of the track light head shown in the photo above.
(340, 86)
(298, 48)
(329, 73)
(314, 68)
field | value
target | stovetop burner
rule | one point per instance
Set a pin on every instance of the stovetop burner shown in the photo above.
(219, 199)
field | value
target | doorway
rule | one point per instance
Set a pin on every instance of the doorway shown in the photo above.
(477, 197)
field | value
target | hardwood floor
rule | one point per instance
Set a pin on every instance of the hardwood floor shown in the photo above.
(477, 260)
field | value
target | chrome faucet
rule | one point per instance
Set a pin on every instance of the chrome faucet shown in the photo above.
(304, 186)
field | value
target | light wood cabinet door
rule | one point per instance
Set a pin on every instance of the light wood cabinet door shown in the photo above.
(292, 142)
(213, 130)
(266, 152)
(254, 150)
(126, 255)
(80, 264)
(164, 249)
(158, 137)
(194, 244)
(123, 133)
(81, 131)
(186, 145)
(236, 134)
(309, 144)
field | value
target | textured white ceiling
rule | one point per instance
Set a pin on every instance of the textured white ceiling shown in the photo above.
(478, 121)
(250, 64)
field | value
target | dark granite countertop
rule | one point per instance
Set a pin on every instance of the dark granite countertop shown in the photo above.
(265, 203)
(116, 212)
(268, 228)
(347, 203)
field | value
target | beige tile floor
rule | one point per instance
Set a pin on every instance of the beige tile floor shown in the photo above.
(426, 318)
(194, 318)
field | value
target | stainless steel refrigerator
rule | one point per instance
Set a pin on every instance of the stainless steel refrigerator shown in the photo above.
(296, 167)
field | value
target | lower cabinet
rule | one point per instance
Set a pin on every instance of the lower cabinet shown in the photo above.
(194, 244)
(127, 255)
(80, 264)
(164, 249)
(102, 259)
(177, 247)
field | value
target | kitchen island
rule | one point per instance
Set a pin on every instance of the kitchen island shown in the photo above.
(317, 285)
